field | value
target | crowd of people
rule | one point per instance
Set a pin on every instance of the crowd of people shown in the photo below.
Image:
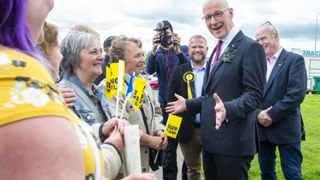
(58, 122)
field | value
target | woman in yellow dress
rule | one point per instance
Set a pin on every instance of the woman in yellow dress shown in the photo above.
(41, 138)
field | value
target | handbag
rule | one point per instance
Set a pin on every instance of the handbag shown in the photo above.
(155, 159)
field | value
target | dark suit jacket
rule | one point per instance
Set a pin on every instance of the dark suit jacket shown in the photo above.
(179, 86)
(239, 84)
(285, 91)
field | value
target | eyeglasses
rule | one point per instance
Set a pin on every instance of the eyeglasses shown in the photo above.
(215, 15)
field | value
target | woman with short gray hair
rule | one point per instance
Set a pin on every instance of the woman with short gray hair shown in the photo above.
(81, 64)
(82, 60)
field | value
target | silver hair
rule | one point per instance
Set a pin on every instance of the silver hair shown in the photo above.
(272, 29)
(70, 48)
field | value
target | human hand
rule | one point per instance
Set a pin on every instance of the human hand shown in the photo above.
(140, 176)
(155, 43)
(220, 111)
(177, 106)
(161, 134)
(176, 43)
(68, 95)
(263, 117)
(116, 138)
(112, 124)
(154, 142)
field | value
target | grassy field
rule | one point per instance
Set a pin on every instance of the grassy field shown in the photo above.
(310, 148)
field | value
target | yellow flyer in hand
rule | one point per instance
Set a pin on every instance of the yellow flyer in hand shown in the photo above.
(138, 88)
(112, 80)
(173, 125)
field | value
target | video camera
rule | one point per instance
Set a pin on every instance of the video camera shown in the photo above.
(165, 39)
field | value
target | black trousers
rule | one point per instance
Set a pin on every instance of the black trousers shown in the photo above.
(169, 157)
(221, 167)
(169, 162)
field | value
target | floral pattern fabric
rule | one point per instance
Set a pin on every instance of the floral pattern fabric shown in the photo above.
(27, 90)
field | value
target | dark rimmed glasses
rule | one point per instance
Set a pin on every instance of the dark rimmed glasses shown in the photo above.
(215, 15)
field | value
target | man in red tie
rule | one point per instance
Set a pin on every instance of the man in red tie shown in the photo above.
(216, 55)
(231, 92)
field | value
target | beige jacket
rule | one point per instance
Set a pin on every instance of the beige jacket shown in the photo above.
(112, 159)
(152, 111)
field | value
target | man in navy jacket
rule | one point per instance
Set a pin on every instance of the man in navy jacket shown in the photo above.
(279, 119)
(165, 55)
(187, 80)
(233, 89)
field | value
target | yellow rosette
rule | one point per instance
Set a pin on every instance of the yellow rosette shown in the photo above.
(187, 77)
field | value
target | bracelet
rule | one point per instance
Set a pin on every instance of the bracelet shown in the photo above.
(101, 135)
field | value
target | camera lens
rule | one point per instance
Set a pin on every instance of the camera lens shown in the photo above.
(165, 40)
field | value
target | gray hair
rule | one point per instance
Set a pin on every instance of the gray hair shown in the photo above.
(70, 48)
(271, 28)
(118, 50)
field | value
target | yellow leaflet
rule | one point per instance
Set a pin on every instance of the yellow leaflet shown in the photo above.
(173, 125)
(138, 91)
(112, 80)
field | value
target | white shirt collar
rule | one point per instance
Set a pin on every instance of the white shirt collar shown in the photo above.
(232, 33)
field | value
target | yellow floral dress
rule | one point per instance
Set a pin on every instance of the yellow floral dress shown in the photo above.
(27, 90)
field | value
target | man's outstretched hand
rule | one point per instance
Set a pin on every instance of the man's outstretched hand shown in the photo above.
(177, 106)
(220, 111)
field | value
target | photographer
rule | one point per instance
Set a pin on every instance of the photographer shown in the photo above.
(165, 55)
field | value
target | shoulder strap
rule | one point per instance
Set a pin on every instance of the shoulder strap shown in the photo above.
(145, 120)
(84, 97)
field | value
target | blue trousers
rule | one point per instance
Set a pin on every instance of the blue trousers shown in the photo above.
(290, 158)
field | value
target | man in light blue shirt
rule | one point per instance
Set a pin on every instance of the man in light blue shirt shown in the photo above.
(187, 81)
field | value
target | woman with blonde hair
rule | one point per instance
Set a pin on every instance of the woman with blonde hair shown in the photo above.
(149, 115)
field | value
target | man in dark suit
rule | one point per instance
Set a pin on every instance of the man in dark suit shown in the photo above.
(279, 119)
(187, 80)
(236, 79)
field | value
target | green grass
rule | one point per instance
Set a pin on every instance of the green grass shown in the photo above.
(310, 109)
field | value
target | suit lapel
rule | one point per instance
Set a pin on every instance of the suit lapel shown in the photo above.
(206, 76)
(192, 83)
(192, 89)
(232, 45)
(279, 64)
(186, 69)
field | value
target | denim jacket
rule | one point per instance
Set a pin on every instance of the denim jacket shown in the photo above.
(82, 109)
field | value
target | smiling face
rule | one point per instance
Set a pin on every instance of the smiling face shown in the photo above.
(219, 25)
(268, 39)
(134, 58)
(91, 60)
(197, 50)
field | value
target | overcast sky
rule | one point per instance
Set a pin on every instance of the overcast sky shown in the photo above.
(295, 19)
